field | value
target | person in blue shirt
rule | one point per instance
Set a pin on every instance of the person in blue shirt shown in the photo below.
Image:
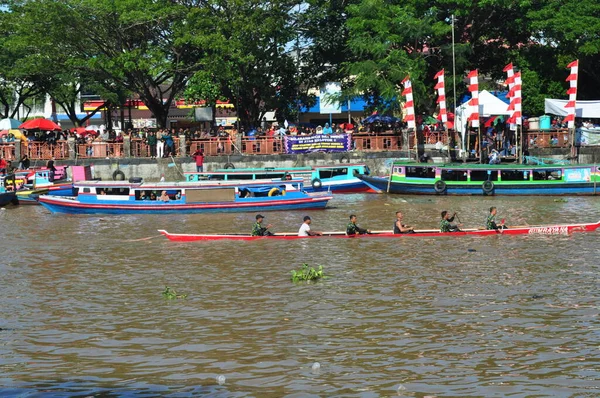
(327, 129)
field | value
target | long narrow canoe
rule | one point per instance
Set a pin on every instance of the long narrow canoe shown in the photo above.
(558, 229)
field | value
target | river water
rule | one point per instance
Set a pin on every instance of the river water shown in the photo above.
(82, 313)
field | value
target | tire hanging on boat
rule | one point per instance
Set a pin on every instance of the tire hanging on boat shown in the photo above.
(229, 166)
(488, 187)
(274, 192)
(439, 186)
(316, 183)
(118, 175)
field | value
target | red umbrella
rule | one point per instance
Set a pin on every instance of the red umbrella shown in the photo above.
(83, 131)
(40, 124)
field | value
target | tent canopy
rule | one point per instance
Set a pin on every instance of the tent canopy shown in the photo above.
(489, 105)
(583, 109)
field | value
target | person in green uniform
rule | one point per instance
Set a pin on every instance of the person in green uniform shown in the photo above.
(491, 220)
(258, 229)
(446, 223)
(353, 229)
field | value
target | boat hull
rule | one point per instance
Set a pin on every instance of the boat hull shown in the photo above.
(550, 189)
(7, 198)
(73, 206)
(354, 186)
(558, 229)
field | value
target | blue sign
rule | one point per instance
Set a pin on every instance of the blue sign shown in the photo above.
(318, 143)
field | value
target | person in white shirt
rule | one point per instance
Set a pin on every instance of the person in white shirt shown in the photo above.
(305, 229)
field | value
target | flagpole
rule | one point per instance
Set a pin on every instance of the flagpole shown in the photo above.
(454, 78)
(480, 143)
(573, 150)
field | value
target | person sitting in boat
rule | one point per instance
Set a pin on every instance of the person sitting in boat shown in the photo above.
(143, 195)
(446, 223)
(400, 228)
(353, 229)
(258, 229)
(164, 197)
(305, 228)
(491, 220)
(495, 157)
(152, 196)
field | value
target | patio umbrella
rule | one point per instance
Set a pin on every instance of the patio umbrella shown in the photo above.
(40, 124)
(8, 124)
(430, 120)
(83, 131)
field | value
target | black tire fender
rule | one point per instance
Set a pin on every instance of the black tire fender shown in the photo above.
(487, 187)
(439, 186)
(229, 166)
(316, 183)
(118, 175)
(346, 157)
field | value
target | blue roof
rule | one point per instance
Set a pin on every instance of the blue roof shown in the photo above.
(62, 116)
(356, 105)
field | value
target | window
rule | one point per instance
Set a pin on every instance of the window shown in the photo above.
(547, 174)
(484, 175)
(514, 175)
(329, 173)
(420, 172)
(454, 175)
(269, 176)
(117, 191)
(86, 190)
(397, 170)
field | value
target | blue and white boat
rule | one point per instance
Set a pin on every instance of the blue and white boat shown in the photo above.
(122, 197)
(340, 178)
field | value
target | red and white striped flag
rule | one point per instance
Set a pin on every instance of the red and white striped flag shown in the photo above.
(572, 91)
(514, 83)
(441, 91)
(409, 105)
(474, 89)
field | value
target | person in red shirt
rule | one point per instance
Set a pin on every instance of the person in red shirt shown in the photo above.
(199, 158)
(3, 166)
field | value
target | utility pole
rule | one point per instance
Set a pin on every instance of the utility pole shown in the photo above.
(454, 80)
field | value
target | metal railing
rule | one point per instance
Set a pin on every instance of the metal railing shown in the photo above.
(7, 151)
(44, 151)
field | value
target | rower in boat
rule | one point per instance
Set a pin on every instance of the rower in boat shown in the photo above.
(491, 220)
(446, 223)
(305, 228)
(400, 228)
(353, 229)
(258, 229)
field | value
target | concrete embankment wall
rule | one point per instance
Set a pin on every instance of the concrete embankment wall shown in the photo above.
(173, 168)
(378, 162)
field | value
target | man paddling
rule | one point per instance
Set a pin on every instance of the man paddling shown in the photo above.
(305, 228)
(446, 223)
(400, 228)
(258, 229)
(353, 229)
(491, 220)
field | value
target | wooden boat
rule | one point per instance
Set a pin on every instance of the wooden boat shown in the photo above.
(341, 178)
(469, 179)
(122, 197)
(558, 229)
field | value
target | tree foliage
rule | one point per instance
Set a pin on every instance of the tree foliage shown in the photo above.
(267, 55)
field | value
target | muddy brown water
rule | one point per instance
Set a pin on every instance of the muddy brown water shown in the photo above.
(82, 313)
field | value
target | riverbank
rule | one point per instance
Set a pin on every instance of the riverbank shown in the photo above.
(379, 162)
(173, 168)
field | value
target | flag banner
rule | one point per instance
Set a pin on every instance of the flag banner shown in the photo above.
(409, 104)
(318, 143)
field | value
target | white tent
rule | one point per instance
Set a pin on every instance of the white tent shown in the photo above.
(584, 109)
(489, 105)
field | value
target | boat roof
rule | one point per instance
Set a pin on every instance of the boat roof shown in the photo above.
(184, 184)
(277, 169)
(477, 166)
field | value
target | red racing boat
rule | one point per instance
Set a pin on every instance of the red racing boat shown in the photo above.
(558, 229)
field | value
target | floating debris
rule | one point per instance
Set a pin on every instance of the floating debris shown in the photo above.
(221, 380)
(316, 367)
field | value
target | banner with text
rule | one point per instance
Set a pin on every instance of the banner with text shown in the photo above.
(318, 143)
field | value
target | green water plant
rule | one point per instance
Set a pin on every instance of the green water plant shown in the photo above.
(171, 294)
(307, 273)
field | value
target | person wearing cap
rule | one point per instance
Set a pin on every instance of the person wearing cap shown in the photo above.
(258, 229)
(305, 228)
